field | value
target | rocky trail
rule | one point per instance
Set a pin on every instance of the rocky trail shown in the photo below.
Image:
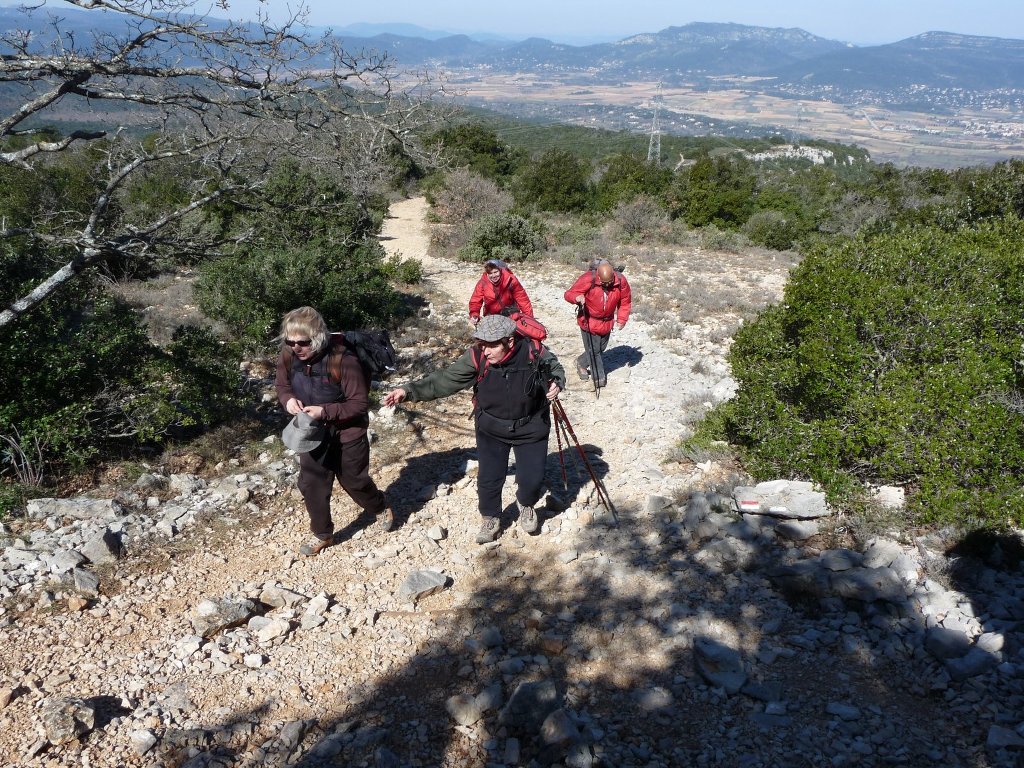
(171, 624)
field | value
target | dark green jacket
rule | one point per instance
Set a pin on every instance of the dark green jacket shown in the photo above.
(462, 374)
(510, 403)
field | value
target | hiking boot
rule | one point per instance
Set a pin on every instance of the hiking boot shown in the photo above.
(315, 546)
(528, 519)
(582, 371)
(489, 527)
(385, 520)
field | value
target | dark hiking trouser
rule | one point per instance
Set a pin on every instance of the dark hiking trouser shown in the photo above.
(493, 456)
(350, 464)
(599, 344)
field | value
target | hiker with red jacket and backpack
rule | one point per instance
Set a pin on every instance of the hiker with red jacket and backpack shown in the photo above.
(514, 379)
(321, 383)
(498, 292)
(603, 298)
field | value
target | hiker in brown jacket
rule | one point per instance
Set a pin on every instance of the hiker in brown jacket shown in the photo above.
(321, 383)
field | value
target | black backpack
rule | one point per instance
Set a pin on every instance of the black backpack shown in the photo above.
(373, 349)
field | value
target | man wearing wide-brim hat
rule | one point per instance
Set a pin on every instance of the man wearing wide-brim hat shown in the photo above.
(514, 380)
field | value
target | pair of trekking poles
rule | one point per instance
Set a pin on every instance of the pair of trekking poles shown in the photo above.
(564, 430)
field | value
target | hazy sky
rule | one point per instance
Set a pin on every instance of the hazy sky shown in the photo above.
(856, 21)
(579, 21)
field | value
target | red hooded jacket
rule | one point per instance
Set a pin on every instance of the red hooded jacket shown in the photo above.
(493, 298)
(604, 307)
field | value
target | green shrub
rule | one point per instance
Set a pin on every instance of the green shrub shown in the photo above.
(405, 271)
(478, 148)
(717, 191)
(503, 236)
(715, 239)
(556, 181)
(574, 231)
(772, 229)
(315, 245)
(95, 384)
(251, 292)
(894, 358)
(627, 177)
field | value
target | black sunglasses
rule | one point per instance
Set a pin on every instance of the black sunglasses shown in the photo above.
(298, 342)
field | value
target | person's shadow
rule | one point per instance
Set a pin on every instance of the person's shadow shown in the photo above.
(418, 482)
(422, 477)
(621, 357)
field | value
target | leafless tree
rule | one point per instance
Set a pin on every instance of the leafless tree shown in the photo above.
(226, 100)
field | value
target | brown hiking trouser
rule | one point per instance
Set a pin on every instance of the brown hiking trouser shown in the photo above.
(350, 464)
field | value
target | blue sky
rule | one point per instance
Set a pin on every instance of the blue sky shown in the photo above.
(864, 22)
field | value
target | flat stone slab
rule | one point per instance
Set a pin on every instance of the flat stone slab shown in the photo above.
(944, 643)
(797, 530)
(788, 499)
(211, 616)
(78, 508)
(869, 585)
(719, 664)
(419, 584)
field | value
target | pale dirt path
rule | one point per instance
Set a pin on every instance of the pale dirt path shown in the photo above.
(636, 421)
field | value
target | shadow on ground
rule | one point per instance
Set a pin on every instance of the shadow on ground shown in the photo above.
(606, 631)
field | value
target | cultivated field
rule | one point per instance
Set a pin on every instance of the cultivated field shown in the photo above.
(901, 137)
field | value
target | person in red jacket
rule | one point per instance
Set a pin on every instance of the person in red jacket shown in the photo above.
(498, 292)
(604, 300)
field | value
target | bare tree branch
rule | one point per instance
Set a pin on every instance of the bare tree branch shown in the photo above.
(225, 100)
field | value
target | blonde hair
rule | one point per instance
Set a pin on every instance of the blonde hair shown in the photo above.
(306, 321)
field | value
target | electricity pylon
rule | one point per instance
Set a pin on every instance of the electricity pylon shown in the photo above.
(654, 145)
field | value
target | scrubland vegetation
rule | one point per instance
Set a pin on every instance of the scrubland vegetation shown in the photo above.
(895, 357)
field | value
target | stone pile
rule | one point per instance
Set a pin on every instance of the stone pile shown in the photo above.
(70, 537)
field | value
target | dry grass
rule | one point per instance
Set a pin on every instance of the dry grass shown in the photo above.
(716, 291)
(165, 302)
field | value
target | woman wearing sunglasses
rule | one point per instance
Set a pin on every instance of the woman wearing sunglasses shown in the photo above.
(514, 382)
(326, 382)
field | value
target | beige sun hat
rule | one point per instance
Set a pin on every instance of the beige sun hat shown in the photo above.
(303, 433)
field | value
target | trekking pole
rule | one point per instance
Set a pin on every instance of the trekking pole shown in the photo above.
(560, 427)
(561, 456)
(589, 344)
(602, 492)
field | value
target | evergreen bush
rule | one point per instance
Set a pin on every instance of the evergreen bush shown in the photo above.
(772, 229)
(894, 358)
(556, 181)
(315, 246)
(504, 236)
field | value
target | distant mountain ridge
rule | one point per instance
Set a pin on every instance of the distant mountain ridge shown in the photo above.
(932, 59)
(788, 56)
(788, 59)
